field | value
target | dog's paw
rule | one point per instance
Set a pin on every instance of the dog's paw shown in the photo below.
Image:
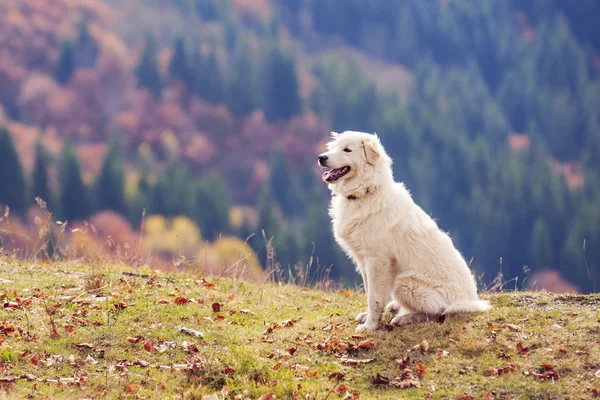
(366, 327)
(361, 317)
(393, 305)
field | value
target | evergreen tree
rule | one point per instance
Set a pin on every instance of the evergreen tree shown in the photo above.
(541, 245)
(207, 78)
(66, 62)
(74, 200)
(284, 185)
(110, 187)
(242, 88)
(13, 190)
(282, 91)
(212, 206)
(86, 48)
(41, 187)
(179, 67)
(265, 207)
(147, 72)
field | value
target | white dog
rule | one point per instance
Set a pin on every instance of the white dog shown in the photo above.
(402, 255)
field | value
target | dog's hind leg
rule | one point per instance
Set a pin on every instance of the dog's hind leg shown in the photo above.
(424, 302)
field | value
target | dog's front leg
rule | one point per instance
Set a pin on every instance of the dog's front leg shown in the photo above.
(362, 317)
(377, 295)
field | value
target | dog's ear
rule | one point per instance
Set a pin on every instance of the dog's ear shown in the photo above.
(370, 151)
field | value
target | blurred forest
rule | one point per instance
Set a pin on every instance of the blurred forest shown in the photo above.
(208, 115)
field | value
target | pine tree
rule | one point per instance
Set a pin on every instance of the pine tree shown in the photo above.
(284, 185)
(13, 189)
(74, 200)
(242, 88)
(265, 208)
(212, 206)
(206, 77)
(86, 48)
(541, 245)
(282, 91)
(110, 187)
(66, 63)
(179, 67)
(147, 71)
(41, 187)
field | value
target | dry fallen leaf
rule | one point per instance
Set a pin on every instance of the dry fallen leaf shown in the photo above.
(404, 362)
(136, 339)
(353, 362)
(443, 353)
(424, 345)
(512, 327)
(366, 344)
(181, 300)
(338, 376)
(524, 351)
(421, 369)
(379, 380)
(35, 360)
(465, 397)
(405, 380)
(216, 307)
(149, 345)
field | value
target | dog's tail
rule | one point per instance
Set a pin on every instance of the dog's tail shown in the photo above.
(468, 306)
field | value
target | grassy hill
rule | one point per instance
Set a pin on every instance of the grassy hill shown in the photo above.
(94, 331)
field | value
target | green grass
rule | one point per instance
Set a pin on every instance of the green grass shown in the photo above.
(88, 354)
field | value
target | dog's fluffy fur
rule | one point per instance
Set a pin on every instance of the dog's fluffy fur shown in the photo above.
(404, 258)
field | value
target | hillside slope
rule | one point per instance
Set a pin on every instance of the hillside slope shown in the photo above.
(108, 331)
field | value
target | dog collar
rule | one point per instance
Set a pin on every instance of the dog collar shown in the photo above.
(354, 197)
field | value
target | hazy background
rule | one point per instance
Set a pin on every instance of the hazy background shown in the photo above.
(208, 114)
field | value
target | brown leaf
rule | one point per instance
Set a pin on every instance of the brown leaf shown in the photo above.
(163, 301)
(341, 389)
(69, 328)
(353, 362)
(120, 305)
(216, 307)
(488, 396)
(404, 362)
(504, 355)
(181, 300)
(465, 397)
(35, 360)
(277, 366)
(512, 327)
(405, 380)
(366, 344)
(421, 369)
(443, 353)
(292, 350)
(136, 339)
(132, 387)
(424, 345)
(228, 370)
(149, 345)
(379, 380)
(524, 351)
(338, 376)
(269, 396)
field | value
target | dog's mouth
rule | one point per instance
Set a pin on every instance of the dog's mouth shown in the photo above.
(334, 174)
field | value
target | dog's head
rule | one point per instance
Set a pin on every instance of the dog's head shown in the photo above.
(353, 159)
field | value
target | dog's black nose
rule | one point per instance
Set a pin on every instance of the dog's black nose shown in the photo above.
(322, 160)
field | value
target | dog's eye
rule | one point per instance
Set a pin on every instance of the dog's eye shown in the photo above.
(347, 150)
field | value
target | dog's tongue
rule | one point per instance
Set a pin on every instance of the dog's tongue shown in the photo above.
(326, 175)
